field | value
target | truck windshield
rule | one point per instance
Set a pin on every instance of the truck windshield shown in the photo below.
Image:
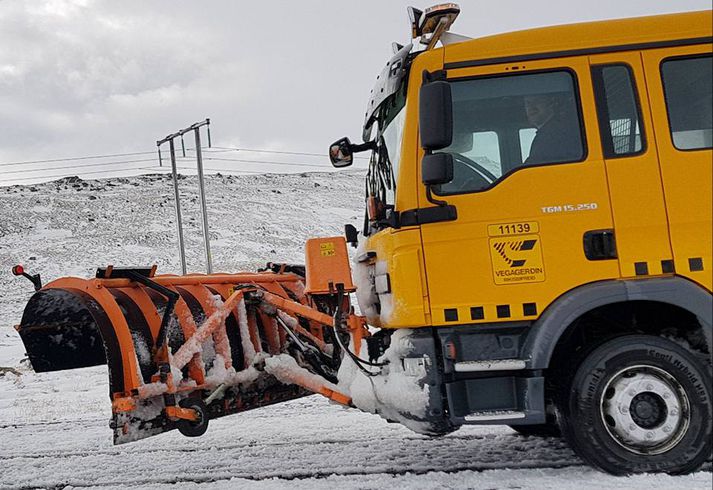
(384, 165)
(392, 135)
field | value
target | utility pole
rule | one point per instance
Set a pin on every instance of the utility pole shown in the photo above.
(201, 188)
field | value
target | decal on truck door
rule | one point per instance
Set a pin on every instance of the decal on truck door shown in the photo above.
(517, 259)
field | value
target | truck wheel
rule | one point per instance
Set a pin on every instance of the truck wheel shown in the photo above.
(193, 428)
(537, 430)
(638, 404)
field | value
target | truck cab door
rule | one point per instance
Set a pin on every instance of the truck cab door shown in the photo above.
(632, 164)
(527, 195)
(678, 82)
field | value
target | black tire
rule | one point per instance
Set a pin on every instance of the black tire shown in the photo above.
(537, 430)
(666, 426)
(190, 428)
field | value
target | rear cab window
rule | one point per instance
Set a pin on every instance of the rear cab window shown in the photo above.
(688, 91)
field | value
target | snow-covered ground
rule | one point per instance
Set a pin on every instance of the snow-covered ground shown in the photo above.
(54, 426)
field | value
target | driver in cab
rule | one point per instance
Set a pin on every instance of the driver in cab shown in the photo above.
(558, 137)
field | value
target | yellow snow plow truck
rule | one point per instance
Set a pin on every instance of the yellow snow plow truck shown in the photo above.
(536, 252)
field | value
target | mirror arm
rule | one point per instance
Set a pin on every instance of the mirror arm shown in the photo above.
(433, 200)
(369, 145)
(429, 194)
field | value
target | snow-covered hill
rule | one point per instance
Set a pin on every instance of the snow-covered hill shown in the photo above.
(71, 226)
(54, 427)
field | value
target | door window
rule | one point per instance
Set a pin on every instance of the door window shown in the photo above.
(618, 111)
(503, 123)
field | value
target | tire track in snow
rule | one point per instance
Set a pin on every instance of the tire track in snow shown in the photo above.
(213, 478)
(228, 472)
(289, 459)
(54, 422)
(122, 450)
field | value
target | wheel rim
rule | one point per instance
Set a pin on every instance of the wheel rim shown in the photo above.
(645, 409)
(199, 412)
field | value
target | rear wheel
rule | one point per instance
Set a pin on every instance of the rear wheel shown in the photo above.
(640, 404)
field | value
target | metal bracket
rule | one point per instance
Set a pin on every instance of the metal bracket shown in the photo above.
(172, 299)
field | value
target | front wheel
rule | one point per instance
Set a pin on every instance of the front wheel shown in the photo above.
(639, 404)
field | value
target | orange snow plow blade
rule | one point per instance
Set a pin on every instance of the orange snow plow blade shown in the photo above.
(182, 350)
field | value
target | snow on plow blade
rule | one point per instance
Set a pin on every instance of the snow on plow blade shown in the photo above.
(60, 332)
(182, 350)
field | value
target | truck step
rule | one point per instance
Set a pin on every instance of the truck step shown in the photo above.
(488, 415)
(490, 365)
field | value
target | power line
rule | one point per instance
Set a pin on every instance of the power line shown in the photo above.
(157, 169)
(214, 149)
(206, 149)
(92, 158)
(301, 153)
(103, 164)
(267, 162)
(232, 171)
(251, 172)
(96, 164)
(62, 175)
(78, 158)
(279, 152)
(179, 160)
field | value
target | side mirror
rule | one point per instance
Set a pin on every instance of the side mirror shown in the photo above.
(341, 153)
(435, 117)
(437, 168)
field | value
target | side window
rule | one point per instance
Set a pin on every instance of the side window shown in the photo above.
(486, 151)
(618, 111)
(506, 122)
(688, 88)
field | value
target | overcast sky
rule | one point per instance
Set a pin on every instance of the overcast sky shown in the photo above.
(91, 77)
